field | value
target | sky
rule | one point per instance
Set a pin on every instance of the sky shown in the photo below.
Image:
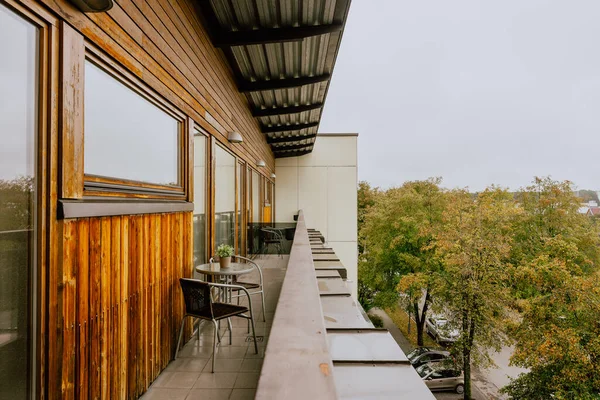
(477, 92)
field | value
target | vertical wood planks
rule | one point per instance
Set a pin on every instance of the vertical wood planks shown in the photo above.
(83, 290)
(119, 304)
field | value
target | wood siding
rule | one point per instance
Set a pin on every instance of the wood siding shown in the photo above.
(119, 303)
(108, 298)
(165, 45)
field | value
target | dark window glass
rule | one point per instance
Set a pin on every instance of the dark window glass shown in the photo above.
(18, 131)
(126, 136)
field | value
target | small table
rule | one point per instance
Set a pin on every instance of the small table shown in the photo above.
(214, 271)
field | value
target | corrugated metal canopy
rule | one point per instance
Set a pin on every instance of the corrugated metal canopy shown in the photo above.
(282, 53)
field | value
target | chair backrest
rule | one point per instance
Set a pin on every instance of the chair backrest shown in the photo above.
(239, 258)
(196, 295)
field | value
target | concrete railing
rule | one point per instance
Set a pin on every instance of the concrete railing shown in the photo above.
(297, 362)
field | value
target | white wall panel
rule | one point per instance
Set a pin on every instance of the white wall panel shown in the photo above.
(286, 193)
(324, 185)
(312, 197)
(342, 204)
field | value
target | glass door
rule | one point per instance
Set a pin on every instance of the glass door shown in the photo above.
(18, 131)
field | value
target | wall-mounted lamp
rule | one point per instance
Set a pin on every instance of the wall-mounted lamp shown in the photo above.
(93, 5)
(273, 175)
(235, 137)
(261, 163)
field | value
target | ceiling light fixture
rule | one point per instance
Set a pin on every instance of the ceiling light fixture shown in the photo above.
(261, 163)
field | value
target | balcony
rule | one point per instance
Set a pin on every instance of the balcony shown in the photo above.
(316, 343)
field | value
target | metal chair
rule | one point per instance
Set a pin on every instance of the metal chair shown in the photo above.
(199, 304)
(249, 285)
(272, 237)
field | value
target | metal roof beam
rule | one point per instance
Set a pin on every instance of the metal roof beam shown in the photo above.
(286, 128)
(286, 83)
(272, 35)
(291, 147)
(269, 112)
(292, 153)
(287, 139)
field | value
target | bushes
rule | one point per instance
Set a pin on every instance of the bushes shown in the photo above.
(376, 320)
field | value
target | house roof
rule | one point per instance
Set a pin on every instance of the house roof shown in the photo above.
(282, 54)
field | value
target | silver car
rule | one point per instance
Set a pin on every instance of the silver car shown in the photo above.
(438, 376)
(440, 329)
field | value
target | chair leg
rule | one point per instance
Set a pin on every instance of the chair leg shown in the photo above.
(199, 323)
(253, 330)
(230, 331)
(214, 345)
(180, 337)
(262, 295)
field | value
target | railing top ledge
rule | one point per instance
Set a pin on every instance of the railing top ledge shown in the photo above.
(297, 362)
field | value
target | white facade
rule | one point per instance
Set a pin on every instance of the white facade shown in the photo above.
(324, 185)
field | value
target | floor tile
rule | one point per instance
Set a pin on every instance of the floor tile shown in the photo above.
(251, 365)
(224, 352)
(187, 364)
(242, 394)
(176, 380)
(165, 394)
(247, 380)
(224, 365)
(209, 394)
(218, 380)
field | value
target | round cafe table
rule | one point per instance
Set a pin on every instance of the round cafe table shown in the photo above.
(215, 273)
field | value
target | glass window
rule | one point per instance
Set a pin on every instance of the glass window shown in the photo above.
(18, 131)
(224, 197)
(199, 198)
(255, 197)
(126, 136)
(240, 207)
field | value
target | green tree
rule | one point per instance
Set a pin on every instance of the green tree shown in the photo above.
(397, 238)
(556, 255)
(475, 243)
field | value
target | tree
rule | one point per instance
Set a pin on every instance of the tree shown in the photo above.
(556, 255)
(475, 243)
(397, 236)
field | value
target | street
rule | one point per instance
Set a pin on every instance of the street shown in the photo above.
(405, 345)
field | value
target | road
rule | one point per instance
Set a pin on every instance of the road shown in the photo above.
(490, 380)
(407, 347)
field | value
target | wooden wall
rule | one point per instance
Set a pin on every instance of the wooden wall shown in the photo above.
(108, 291)
(164, 43)
(119, 303)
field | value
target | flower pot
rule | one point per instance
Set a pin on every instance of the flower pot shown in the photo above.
(224, 261)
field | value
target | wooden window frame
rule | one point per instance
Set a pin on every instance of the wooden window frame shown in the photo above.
(103, 186)
(39, 318)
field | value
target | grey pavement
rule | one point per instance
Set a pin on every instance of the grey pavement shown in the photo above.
(406, 346)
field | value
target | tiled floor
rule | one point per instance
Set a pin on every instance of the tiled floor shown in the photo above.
(237, 366)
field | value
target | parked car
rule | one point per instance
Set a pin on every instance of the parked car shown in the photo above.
(438, 376)
(424, 355)
(439, 328)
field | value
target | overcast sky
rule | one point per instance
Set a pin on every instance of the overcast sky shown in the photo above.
(477, 92)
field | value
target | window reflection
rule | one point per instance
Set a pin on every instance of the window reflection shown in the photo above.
(18, 128)
(126, 136)
(224, 197)
(199, 198)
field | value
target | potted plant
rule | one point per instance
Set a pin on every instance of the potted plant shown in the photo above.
(224, 252)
